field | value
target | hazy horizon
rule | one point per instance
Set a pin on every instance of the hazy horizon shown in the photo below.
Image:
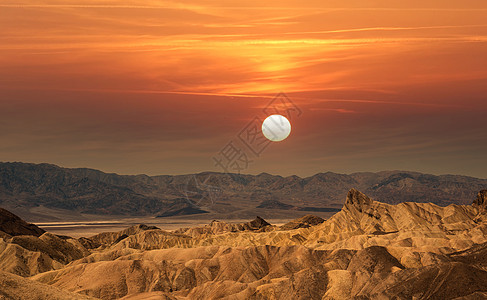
(248, 173)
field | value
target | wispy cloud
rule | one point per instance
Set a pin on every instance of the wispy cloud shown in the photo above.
(163, 77)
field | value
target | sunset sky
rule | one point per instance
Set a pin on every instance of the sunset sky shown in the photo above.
(160, 87)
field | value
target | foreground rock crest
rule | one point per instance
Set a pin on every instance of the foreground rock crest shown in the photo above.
(481, 200)
(358, 200)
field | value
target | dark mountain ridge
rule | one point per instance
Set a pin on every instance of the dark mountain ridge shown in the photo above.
(26, 185)
(12, 225)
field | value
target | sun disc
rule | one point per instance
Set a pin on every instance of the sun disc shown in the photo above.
(276, 128)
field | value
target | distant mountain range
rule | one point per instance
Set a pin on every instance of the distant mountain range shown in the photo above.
(26, 186)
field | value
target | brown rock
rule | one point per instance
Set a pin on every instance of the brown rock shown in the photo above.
(303, 222)
(16, 287)
(481, 200)
(357, 200)
(13, 225)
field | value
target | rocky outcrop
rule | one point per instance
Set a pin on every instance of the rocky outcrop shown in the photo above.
(219, 227)
(27, 250)
(13, 225)
(107, 239)
(257, 224)
(481, 200)
(303, 222)
(19, 288)
(18, 260)
(27, 255)
(358, 200)
(63, 251)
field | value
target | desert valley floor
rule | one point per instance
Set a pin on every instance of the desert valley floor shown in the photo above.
(368, 250)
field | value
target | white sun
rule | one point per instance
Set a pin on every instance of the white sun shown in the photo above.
(276, 128)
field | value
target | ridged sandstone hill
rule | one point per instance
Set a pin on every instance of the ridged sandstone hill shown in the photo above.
(368, 250)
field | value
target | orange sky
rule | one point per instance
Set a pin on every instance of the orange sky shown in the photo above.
(159, 87)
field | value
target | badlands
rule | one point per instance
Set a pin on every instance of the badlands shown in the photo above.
(368, 250)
